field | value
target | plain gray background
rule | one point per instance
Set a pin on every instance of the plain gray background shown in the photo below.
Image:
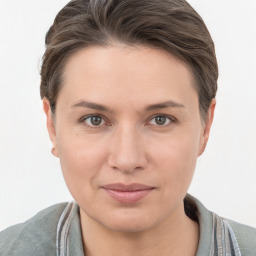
(30, 177)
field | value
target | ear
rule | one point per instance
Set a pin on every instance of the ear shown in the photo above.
(50, 125)
(207, 127)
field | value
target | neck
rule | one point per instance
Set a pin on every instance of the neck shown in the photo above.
(176, 235)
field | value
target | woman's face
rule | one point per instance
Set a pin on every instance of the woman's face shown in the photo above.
(128, 133)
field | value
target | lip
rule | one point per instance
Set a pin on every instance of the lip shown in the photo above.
(128, 194)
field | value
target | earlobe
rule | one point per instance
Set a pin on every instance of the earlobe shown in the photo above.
(50, 126)
(207, 127)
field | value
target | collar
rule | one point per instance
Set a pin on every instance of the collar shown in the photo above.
(216, 236)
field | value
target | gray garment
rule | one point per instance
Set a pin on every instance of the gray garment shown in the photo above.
(56, 231)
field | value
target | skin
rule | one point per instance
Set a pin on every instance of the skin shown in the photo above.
(130, 146)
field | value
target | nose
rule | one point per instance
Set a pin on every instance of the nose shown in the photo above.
(126, 150)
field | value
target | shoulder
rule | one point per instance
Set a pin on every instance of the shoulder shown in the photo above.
(36, 236)
(246, 237)
(219, 234)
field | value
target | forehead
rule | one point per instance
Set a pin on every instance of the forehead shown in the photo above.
(122, 73)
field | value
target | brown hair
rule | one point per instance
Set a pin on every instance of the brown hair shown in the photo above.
(172, 25)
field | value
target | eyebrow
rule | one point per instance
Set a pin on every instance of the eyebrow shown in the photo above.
(96, 106)
(87, 104)
(165, 104)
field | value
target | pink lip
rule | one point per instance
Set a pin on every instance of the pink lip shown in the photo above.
(128, 194)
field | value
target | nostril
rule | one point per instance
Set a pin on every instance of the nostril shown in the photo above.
(127, 164)
(126, 152)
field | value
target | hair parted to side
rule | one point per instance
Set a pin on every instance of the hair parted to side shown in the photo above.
(171, 25)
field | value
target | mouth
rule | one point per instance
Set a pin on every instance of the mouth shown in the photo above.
(128, 194)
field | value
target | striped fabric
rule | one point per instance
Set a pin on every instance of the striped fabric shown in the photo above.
(62, 239)
(224, 242)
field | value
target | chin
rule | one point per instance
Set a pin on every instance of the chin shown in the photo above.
(128, 222)
(128, 226)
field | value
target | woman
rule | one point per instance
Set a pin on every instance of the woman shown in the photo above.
(128, 89)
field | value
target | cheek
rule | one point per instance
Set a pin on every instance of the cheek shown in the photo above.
(81, 160)
(176, 160)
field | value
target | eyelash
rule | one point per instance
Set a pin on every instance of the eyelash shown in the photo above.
(170, 118)
(84, 118)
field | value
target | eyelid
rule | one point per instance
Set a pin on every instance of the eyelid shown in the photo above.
(83, 118)
(107, 123)
(171, 118)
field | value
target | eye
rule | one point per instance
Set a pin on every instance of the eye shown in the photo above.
(93, 121)
(160, 120)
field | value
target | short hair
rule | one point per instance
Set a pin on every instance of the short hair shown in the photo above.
(171, 25)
